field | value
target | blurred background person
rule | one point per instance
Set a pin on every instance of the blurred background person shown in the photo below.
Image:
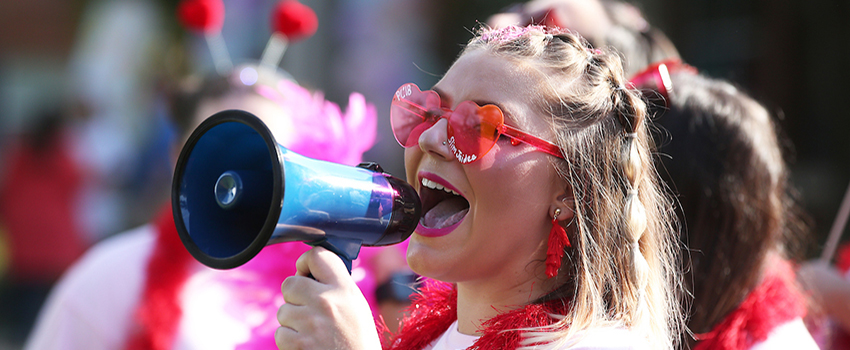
(39, 189)
(142, 290)
(723, 159)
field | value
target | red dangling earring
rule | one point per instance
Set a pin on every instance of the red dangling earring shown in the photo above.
(557, 241)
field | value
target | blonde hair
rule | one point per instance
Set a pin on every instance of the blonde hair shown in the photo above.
(623, 268)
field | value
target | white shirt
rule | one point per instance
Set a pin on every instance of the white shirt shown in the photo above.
(87, 309)
(595, 339)
(790, 335)
(93, 305)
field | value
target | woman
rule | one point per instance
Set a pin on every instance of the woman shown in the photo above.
(548, 230)
(724, 159)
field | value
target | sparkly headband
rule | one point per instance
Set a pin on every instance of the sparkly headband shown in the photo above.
(510, 33)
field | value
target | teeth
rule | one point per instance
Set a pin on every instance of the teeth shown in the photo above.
(435, 186)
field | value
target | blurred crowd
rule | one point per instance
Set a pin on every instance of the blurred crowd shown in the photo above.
(88, 133)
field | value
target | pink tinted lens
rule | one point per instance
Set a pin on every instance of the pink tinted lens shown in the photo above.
(412, 112)
(473, 130)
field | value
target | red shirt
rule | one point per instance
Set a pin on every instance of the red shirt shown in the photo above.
(38, 194)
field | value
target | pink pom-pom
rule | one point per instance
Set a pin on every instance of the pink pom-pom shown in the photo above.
(294, 20)
(205, 16)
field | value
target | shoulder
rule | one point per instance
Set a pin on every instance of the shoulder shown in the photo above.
(94, 300)
(117, 256)
(123, 256)
(121, 244)
(790, 335)
(613, 338)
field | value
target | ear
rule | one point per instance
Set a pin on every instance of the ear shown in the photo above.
(565, 201)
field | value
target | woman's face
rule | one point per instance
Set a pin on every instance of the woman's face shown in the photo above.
(498, 227)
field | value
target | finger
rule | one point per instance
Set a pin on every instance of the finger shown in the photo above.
(288, 339)
(298, 325)
(288, 316)
(282, 337)
(297, 290)
(325, 266)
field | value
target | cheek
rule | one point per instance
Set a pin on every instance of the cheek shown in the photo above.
(520, 184)
(412, 157)
(509, 167)
(490, 160)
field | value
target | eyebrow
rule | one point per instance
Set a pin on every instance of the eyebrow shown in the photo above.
(444, 98)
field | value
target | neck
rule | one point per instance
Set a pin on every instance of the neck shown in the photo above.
(478, 301)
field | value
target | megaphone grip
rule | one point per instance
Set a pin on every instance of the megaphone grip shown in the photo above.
(346, 249)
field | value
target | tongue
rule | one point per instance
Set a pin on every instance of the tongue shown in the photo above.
(446, 213)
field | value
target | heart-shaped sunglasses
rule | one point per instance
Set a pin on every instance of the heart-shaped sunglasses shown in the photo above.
(472, 129)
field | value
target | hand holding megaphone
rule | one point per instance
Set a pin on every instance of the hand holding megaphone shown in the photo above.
(236, 190)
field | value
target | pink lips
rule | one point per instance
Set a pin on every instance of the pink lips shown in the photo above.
(436, 232)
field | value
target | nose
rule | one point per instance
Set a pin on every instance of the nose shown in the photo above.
(433, 140)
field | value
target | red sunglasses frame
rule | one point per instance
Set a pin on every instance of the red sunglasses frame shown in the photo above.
(513, 133)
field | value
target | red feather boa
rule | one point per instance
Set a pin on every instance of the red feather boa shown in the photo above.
(433, 310)
(159, 312)
(772, 303)
(841, 339)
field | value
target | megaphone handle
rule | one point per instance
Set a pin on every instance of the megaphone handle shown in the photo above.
(345, 248)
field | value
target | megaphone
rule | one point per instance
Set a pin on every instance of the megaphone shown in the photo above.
(235, 190)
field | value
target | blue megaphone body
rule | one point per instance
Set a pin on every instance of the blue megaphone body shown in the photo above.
(236, 190)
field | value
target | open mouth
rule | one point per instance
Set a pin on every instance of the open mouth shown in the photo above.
(443, 207)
